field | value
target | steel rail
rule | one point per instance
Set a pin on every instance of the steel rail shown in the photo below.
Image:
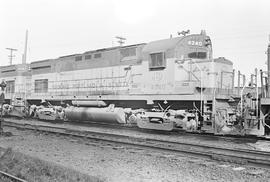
(11, 177)
(175, 132)
(235, 155)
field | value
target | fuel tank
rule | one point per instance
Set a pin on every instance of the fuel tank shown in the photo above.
(104, 115)
(89, 103)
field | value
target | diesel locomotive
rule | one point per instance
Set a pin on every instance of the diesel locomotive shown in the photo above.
(176, 81)
(178, 71)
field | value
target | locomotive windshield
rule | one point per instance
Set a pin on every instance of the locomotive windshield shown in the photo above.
(197, 55)
(198, 47)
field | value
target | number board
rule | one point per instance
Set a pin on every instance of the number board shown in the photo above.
(194, 43)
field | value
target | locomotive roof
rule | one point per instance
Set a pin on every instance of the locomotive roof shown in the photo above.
(112, 48)
(70, 55)
(154, 46)
(8, 66)
(164, 44)
(41, 61)
(223, 60)
(90, 52)
(161, 45)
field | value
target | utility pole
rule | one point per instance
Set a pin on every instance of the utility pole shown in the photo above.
(268, 66)
(11, 54)
(121, 40)
(233, 76)
(25, 48)
(257, 93)
(238, 82)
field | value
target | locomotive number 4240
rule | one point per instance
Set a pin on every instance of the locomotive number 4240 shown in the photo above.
(195, 43)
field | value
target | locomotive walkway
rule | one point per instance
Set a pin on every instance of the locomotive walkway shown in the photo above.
(234, 155)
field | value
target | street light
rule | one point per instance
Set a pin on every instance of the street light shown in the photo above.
(201, 94)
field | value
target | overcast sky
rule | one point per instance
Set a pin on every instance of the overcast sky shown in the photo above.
(239, 29)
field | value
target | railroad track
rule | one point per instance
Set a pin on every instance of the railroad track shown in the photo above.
(234, 155)
(177, 132)
(11, 177)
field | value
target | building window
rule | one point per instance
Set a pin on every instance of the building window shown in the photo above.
(98, 55)
(128, 52)
(197, 55)
(87, 57)
(10, 88)
(41, 86)
(157, 60)
(78, 58)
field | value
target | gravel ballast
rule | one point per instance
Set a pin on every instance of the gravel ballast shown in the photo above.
(111, 162)
(227, 142)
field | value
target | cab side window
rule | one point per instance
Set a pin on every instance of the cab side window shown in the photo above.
(157, 61)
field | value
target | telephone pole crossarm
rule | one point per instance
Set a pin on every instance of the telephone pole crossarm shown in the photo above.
(11, 56)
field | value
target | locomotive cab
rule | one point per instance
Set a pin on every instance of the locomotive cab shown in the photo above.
(179, 65)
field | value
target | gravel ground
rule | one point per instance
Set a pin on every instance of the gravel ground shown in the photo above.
(112, 162)
(32, 169)
(2, 178)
